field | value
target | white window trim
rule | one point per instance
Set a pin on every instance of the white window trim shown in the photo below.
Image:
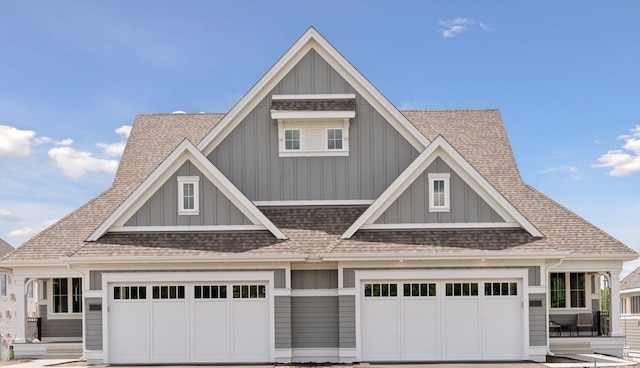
(64, 315)
(303, 125)
(447, 192)
(195, 180)
(567, 292)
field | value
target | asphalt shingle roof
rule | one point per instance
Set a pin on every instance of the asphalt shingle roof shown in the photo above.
(5, 248)
(478, 135)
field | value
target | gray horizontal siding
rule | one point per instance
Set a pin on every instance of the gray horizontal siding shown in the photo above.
(314, 322)
(59, 327)
(413, 205)
(93, 325)
(282, 308)
(347, 320)
(314, 279)
(249, 156)
(162, 208)
(538, 330)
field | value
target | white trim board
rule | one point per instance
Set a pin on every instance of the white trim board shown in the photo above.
(185, 151)
(441, 148)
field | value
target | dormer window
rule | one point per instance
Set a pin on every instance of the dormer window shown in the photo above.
(313, 125)
(439, 196)
(188, 195)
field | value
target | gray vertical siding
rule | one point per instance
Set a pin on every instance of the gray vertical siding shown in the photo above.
(93, 324)
(413, 205)
(534, 276)
(538, 330)
(349, 277)
(347, 320)
(314, 279)
(249, 155)
(162, 208)
(95, 280)
(282, 307)
(59, 327)
(314, 322)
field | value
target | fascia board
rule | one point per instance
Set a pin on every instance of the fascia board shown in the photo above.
(311, 39)
(404, 180)
(183, 259)
(316, 96)
(185, 151)
(345, 257)
(306, 114)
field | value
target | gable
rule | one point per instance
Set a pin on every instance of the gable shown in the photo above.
(412, 206)
(162, 208)
(249, 155)
(185, 152)
(441, 148)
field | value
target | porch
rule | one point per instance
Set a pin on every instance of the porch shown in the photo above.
(48, 350)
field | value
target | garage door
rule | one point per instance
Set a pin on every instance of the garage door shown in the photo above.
(441, 320)
(190, 322)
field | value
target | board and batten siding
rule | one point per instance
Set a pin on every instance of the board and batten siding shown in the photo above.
(93, 323)
(314, 279)
(538, 330)
(413, 205)
(68, 328)
(162, 208)
(248, 156)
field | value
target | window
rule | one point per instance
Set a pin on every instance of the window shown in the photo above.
(631, 305)
(439, 200)
(249, 291)
(461, 289)
(3, 284)
(188, 195)
(67, 295)
(380, 290)
(500, 288)
(292, 140)
(572, 284)
(334, 139)
(419, 289)
(168, 292)
(129, 292)
(210, 292)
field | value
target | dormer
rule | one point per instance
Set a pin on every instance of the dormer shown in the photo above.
(313, 124)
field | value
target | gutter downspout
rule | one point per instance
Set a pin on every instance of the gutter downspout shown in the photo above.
(546, 272)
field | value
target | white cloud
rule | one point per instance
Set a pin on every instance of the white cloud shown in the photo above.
(5, 215)
(25, 232)
(573, 171)
(15, 142)
(625, 161)
(453, 27)
(124, 131)
(112, 149)
(75, 164)
(41, 140)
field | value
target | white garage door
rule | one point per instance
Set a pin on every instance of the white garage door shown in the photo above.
(441, 320)
(190, 322)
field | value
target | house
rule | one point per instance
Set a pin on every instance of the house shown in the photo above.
(315, 222)
(630, 322)
(7, 305)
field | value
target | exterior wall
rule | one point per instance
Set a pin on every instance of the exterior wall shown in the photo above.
(93, 323)
(347, 321)
(7, 317)
(282, 308)
(630, 326)
(413, 205)
(314, 322)
(538, 330)
(249, 155)
(162, 207)
(60, 328)
(314, 279)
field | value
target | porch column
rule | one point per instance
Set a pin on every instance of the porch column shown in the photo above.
(614, 314)
(21, 309)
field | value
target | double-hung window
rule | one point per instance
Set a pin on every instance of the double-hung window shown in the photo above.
(572, 284)
(67, 295)
(439, 196)
(188, 195)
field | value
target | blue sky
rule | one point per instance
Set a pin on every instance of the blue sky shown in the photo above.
(565, 76)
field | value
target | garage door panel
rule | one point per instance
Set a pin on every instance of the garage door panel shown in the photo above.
(250, 330)
(129, 344)
(170, 336)
(211, 331)
(462, 328)
(420, 329)
(380, 332)
(502, 328)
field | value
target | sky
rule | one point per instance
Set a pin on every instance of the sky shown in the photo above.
(565, 76)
